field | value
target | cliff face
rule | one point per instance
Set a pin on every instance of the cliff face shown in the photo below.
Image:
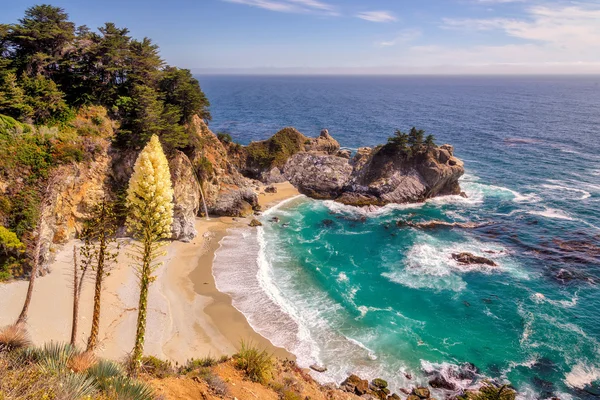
(226, 190)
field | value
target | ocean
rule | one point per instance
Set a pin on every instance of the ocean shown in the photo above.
(363, 295)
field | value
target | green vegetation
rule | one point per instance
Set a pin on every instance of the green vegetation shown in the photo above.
(61, 371)
(275, 151)
(156, 367)
(257, 364)
(11, 249)
(224, 137)
(410, 144)
(49, 67)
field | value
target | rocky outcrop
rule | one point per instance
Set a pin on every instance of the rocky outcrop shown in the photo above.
(324, 143)
(317, 175)
(186, 199)
(226, 190)
(376, 176)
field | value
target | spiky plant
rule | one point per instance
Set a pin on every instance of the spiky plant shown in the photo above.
(257, 364)
(55, 357)
(82, 362)
(150, 216)
(13, 337)
(104, 372)
(76, 386)
(123, 387)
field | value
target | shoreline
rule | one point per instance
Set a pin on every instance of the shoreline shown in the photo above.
(187, 316)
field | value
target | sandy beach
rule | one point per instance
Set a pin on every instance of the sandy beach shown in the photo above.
(187, 317)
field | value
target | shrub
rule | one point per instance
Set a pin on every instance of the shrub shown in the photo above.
(104, 372)
(275, 151)
(123, 387)
(157, 367)
(55, 357)
(13, 337)
(217, 385)
(224, 137)
(196, 363)
(82, 362)
(257, 364)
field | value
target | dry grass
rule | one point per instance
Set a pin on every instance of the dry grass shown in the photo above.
(82, 362)
(13, 337)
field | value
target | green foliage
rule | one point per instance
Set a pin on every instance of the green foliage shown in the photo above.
(275, 151)
(257, 364)
(11, 250)
(224, 137)
(204, 168)
(157, 367)
(197, 363)
(48, 68)
(104, 372)
(54, 357)
(410, 144)
(77, 386)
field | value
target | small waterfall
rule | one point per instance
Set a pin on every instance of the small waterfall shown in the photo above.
(204, 203)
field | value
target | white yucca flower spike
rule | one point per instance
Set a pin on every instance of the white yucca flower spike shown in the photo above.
(150, 194)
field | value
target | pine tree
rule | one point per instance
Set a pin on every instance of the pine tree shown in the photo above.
(430, 142)
(150, 216)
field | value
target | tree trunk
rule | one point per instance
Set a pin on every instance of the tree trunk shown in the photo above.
(75, 299)
(34, 272)
(138, 350)
(36, 253)
(93, 339)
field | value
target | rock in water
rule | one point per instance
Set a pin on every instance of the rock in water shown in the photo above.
(254, 223)
(470, 259)
(318, 368)
(354, 384)
(421, 392)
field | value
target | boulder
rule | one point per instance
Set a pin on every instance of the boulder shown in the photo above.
(379, 383)
(353, 384)
(347, 154)
(470, 259)
(421, 392)
(317, 175)
(318, 368)
(323, 144)
(254, 223)
(271, 189)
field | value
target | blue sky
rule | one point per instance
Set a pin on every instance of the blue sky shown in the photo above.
(356, 36)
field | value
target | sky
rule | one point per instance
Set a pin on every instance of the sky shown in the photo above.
(355, 36)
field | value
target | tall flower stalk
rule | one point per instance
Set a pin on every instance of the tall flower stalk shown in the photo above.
(150, 216)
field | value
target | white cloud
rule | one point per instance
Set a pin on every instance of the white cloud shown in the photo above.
(290, 6)
(547, 34)
(405, 36)
(377, 16)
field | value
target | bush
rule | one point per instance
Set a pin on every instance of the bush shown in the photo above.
(157, 367)
(13, 337)
(197, 363)
(216, 384)
(224, 137)
(275, 151)
(257, 364)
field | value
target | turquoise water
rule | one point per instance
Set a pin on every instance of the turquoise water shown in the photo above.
(348, 289)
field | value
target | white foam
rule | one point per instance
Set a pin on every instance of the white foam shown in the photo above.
(539, 298)
(342, 277)
(552, 213)
(367, 211)
(285, 202)
(584, 194)
(450, 373)
(429, 264)
(582, 375)
(371, 353)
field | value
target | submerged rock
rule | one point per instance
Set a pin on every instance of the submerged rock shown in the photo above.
(470, 259)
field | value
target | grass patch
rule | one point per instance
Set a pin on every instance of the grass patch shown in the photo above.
(257, 364)
(13, 337)
(275, 151)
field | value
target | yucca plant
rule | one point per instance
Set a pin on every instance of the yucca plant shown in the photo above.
(125, 388)
(13, 337)
(55, 357)
(104, 372)
(76, 386)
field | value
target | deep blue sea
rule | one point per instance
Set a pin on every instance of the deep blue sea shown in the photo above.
(366, 296)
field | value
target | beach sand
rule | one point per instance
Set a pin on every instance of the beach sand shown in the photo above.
(187, 316)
